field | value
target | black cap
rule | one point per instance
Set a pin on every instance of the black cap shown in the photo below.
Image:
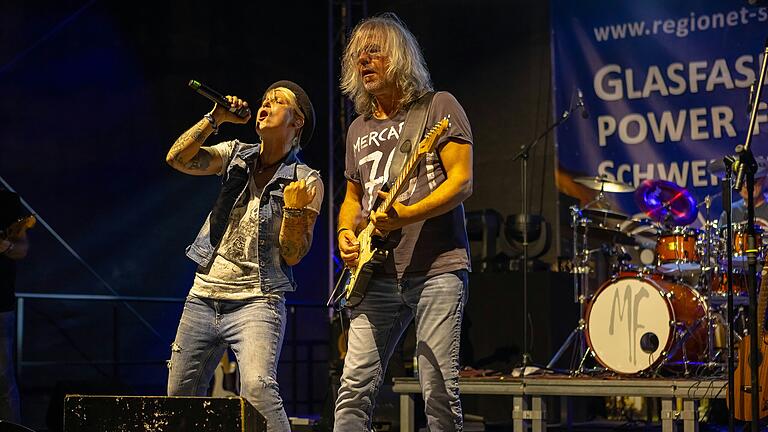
(305, 105)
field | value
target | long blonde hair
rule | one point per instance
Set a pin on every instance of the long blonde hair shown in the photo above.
(407, 68)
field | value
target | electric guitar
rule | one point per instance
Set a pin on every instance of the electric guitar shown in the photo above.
(372, 247)
(224, 378)
(742, 379)
(18, 228)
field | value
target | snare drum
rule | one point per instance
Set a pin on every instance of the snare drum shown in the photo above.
(677, 251)
(632, 323)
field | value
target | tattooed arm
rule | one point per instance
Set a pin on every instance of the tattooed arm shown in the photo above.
(298, 221)
(187, 156)
(296, 236)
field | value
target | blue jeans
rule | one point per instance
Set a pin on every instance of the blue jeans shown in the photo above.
(254, 330)
(9, 391)
(378, 322)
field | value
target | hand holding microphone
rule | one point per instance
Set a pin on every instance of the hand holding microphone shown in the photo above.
(222, 114)
(227, 109)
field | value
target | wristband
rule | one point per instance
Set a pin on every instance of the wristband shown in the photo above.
(293, 212)
(338, 231)
(212, 121)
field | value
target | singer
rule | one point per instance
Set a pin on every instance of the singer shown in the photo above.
(260, 225)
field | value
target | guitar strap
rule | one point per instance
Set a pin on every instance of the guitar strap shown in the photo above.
(415, 122)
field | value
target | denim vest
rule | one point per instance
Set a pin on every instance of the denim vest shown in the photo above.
(274, 273)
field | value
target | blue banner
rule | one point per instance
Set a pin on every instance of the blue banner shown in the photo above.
(666, 84)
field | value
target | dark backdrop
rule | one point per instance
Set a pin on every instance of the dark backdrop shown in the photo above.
(94, 93)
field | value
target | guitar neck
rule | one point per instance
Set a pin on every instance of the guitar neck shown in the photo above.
(397, 187)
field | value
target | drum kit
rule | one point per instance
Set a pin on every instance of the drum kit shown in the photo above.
(660, 305)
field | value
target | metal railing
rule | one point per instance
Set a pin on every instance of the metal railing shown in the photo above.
(292, 343)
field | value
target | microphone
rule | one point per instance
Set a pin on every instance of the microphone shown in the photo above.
(580, 104)
(217, 97)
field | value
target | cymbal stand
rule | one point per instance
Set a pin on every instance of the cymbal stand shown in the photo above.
(598, 199)
(706, 279)
(580, 271)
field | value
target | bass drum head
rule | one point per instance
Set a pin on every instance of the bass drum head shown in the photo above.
(628, 325)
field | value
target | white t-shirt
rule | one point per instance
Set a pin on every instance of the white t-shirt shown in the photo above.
(233, 273)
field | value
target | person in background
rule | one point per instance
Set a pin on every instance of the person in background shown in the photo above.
(13, 247)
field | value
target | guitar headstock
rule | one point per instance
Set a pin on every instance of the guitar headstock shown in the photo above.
(28, 222)
(430, 139)
(18, 228)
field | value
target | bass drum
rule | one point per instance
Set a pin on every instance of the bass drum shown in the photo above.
(635, 322)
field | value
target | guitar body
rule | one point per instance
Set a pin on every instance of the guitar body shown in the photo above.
(370, 257)
(742, 376)
(18, 228)
(742, 380)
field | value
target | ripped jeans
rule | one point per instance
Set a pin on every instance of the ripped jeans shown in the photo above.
(378, 322)
(254, 330)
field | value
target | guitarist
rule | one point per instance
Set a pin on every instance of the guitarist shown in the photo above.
(425, 274)
(12, 248)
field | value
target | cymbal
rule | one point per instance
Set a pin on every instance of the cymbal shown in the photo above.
(603, 184)
(604, 214)
(602, 219)
(635, 226)
(716, 167)
(666, 202)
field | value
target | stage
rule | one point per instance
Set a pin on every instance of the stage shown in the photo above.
(529, 408)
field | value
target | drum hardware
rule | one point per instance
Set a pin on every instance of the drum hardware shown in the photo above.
(580, 368)
(580, 273)
(583, 218)
(683, 332)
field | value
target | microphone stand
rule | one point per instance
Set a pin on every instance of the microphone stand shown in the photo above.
(523, 156)
(747, 166)
(727, 206)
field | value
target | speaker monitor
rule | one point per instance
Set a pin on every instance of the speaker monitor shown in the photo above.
(160, 414)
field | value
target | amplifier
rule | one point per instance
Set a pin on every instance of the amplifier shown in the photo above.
(160, 414)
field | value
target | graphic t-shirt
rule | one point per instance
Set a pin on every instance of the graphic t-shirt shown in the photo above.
(441, 242)
(233, 273)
